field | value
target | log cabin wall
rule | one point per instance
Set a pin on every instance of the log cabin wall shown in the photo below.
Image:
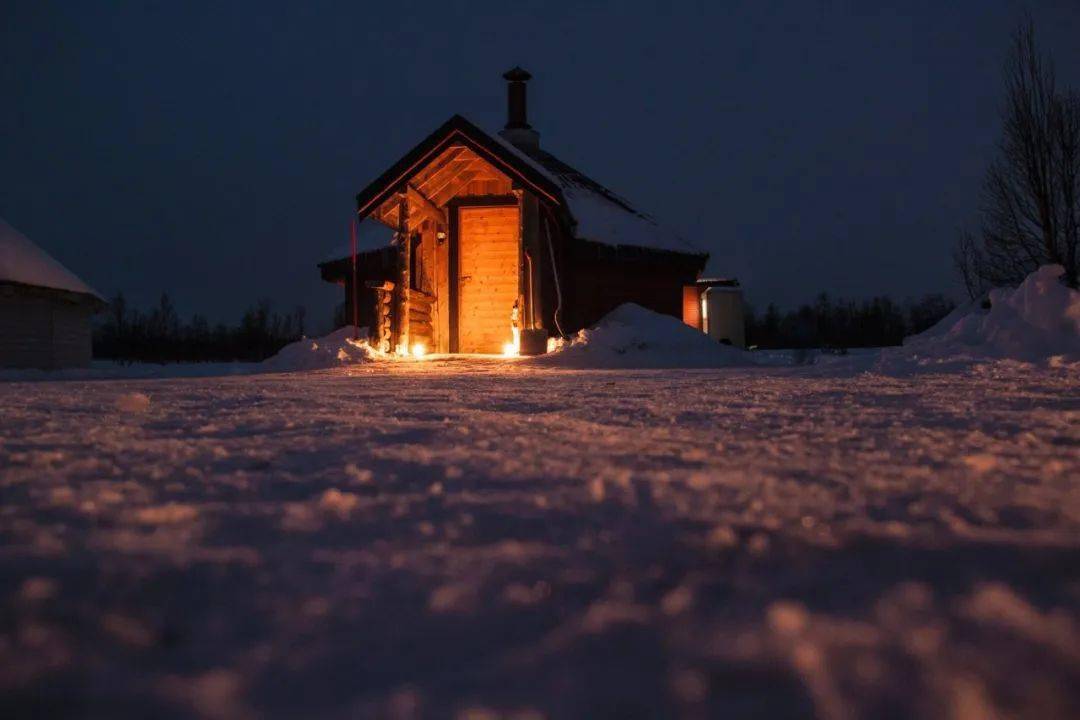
(372, 267)
(458, 176)
(564, 282)
(421, 313)
(601, 277)
(593, 278)
(422, 293)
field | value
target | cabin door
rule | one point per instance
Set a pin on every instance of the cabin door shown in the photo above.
(487, 277)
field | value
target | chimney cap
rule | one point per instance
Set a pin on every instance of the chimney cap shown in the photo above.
(517, 74)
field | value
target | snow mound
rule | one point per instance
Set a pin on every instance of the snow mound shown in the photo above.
(24, 262)
(632, 337)
(135, 402)
(330, 351)
(1036, 322)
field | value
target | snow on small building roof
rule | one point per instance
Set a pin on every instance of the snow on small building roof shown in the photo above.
(23, 262)
(372, 235)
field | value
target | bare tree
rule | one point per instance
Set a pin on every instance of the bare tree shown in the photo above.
(1031, 194)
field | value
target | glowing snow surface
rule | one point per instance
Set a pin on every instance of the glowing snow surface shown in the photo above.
(489, 539)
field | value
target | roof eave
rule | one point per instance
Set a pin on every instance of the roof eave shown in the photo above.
(95, 301)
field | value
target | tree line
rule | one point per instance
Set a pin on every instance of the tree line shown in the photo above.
(842, 324)
(159, 336)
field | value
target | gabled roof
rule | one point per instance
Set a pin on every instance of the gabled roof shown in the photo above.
(458, 130)
(24, 263)
(597, 213)
(601, 214)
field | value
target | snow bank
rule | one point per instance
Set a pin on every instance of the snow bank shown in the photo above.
(24, 262)
(632, 337)
(1036, 322)
(135, 402)
(333, 350)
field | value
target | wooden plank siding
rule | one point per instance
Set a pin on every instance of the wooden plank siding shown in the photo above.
(39, 331)
(561, 282)
(488, 265)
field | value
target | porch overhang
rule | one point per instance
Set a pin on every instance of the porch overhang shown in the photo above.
(456, 131)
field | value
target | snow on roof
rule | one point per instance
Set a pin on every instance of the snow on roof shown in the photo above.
(22, 261)
(372, 236)
(601, 214)
(598, 218)
(525, 157)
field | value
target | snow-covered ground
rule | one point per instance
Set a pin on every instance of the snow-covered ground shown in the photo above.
(482, 539)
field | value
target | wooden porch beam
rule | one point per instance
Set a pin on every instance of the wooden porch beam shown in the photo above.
(452, 154)
(436, 192)
(459, 182)
(425, 206)
(404, 282)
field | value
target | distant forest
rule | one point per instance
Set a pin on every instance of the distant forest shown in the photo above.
(841, 324)
(159, 336)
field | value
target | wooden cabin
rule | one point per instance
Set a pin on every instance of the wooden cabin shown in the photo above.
(498, 245)
(45, 310)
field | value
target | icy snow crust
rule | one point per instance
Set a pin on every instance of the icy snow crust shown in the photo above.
(24, 262)
(469, 539)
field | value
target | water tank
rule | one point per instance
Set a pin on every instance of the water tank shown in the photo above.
(722, 314)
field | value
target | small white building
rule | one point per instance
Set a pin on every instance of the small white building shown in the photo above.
(45, 310)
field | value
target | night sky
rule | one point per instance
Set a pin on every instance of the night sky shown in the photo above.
(214, 152)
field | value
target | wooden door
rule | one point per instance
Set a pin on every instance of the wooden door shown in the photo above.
(487, 277)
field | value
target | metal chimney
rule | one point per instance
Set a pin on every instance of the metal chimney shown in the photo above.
(518, 131)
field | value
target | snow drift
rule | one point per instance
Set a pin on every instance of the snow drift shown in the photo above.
(632, 337)
(330, 351)
(1036, 322)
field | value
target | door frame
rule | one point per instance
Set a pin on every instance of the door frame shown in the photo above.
(469, 201)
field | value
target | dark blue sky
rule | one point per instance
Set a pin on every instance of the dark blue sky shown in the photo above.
(215, 152)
